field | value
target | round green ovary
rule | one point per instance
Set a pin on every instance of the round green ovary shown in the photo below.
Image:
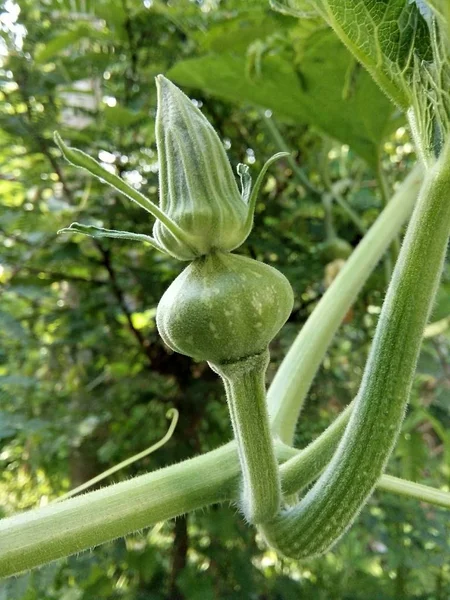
(224, 307)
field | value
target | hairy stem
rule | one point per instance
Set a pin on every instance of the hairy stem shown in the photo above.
(246, 395)
(39, 536)
(330, 507)
(296, 373)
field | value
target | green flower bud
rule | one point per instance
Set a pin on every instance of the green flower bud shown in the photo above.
(201, 209)
(223, 308)
(198, 190)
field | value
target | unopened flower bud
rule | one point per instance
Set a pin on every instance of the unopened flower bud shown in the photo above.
(198, 190)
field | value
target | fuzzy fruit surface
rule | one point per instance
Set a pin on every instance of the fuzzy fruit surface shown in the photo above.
(224, 307)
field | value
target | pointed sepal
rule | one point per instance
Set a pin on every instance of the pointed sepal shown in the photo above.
(101, 232)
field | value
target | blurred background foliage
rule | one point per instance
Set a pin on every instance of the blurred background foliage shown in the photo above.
(85, 380)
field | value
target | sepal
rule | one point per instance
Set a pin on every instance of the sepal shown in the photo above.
(101, 232)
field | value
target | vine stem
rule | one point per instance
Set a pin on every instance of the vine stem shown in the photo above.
(41, 535)
(294, 377)
(246, 395)
(329, 508)
(411, 489)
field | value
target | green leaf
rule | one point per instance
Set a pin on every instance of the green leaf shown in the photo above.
(237, 33)
(336, 96)
(384, 35)
(119, 116)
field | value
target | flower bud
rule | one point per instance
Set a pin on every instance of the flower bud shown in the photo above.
(198, 190)
(223, 308)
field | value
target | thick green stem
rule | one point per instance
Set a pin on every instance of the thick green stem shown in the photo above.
(246, 395)
(296, 373)
(44, 534)
(39, 536)
(330, 507)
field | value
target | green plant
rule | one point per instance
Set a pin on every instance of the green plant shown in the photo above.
(343, 478)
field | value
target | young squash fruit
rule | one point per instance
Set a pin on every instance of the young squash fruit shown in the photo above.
(223, 308)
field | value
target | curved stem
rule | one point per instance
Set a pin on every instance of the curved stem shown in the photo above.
(330, 507)
(41, 535)
(296, 373)
(245, 388)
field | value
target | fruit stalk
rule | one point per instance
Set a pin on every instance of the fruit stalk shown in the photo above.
(246, 396)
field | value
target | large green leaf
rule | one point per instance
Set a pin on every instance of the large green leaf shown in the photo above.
(336, 96)
(384, 35)
(235, 34)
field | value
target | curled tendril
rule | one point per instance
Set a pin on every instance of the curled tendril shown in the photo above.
(172, 414)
